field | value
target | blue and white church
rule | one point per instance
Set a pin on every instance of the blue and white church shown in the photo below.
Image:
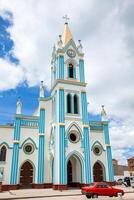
(57, 146)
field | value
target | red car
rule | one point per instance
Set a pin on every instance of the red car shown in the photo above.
(101, 189)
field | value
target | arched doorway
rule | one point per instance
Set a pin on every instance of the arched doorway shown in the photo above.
(98, 172)
(74, 171)
(26, 175)
(69, 173)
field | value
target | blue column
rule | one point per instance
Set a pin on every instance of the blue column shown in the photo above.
(81, 70)
(15, 155)
(87, 155)
(84, 108)
(61, 120)
(41, 148)
(86, 143)
(60, 68)
(62, 155)
(108, 151)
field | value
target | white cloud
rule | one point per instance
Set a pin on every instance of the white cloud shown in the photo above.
(106, 29)
(10, 75)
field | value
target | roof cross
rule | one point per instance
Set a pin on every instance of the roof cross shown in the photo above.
(66, 18)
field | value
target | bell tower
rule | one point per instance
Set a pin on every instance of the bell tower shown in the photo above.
(69, 102)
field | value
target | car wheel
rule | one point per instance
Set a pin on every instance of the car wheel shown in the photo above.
(119, 194)
(95, 196)
(88, 196)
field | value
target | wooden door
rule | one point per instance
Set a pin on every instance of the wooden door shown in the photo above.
(98, 172)
(26, 175)
(69, 173)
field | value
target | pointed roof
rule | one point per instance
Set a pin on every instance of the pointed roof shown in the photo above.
(67, 35)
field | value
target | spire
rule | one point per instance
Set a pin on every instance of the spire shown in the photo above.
(67, 35)
(103, 114)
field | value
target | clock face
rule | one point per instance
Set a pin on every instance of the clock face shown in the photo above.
(71, 53)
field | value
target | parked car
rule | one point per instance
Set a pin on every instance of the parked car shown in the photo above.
(129, 181)
(101, 189)
(132, 181)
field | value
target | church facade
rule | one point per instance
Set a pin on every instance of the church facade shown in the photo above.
(57, 146)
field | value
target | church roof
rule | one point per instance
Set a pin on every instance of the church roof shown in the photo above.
(67, 35)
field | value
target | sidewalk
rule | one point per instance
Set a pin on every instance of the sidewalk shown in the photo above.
(45, 193)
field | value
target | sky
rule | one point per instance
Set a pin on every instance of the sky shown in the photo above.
(28, 31)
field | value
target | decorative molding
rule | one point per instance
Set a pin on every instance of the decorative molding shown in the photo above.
(7, 126)
(28, 140)
(16, 141)
(72, 91)
(74, 82)
(43, 107)
(85, 126)
(60, 124)
(6, 144)
(108, 145)
(83, 91)
(27, 117)
(61, 88)
(41, 134)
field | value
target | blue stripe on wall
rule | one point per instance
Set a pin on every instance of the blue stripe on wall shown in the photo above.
(109, 153)
(61, 119)
(87, 155)
(15, 155)
(84, 108)
(62, 155)
(61, 106)
(41, 152)
(61, 67)
(81, 70)
(86, 143)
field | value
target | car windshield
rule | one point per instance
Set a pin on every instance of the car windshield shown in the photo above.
(91, 184)
(102, 185)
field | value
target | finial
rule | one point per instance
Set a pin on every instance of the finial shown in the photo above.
(80, 47)
(66, 19)
(60, 37)
(18, 106)
(41, 90)
(103, 114)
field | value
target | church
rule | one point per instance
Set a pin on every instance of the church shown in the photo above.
(57, 146)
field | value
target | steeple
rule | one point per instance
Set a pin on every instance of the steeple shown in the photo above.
(67, 35)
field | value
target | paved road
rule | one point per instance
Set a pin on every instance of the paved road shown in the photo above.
(82, 197)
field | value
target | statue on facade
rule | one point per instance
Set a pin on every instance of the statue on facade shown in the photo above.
(103, 114)
(19, 106)
(60, 43)
(41, 90)
(80, 47)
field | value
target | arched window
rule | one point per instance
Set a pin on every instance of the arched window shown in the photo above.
(3, 153)
(69, 107)
(71, 71)
(76, 104)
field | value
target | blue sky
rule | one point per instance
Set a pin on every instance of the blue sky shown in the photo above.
(106, 31)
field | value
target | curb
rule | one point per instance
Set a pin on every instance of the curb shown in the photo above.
(34, 197)
(47, 196)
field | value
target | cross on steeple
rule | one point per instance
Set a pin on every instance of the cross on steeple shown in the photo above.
(66, 18)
